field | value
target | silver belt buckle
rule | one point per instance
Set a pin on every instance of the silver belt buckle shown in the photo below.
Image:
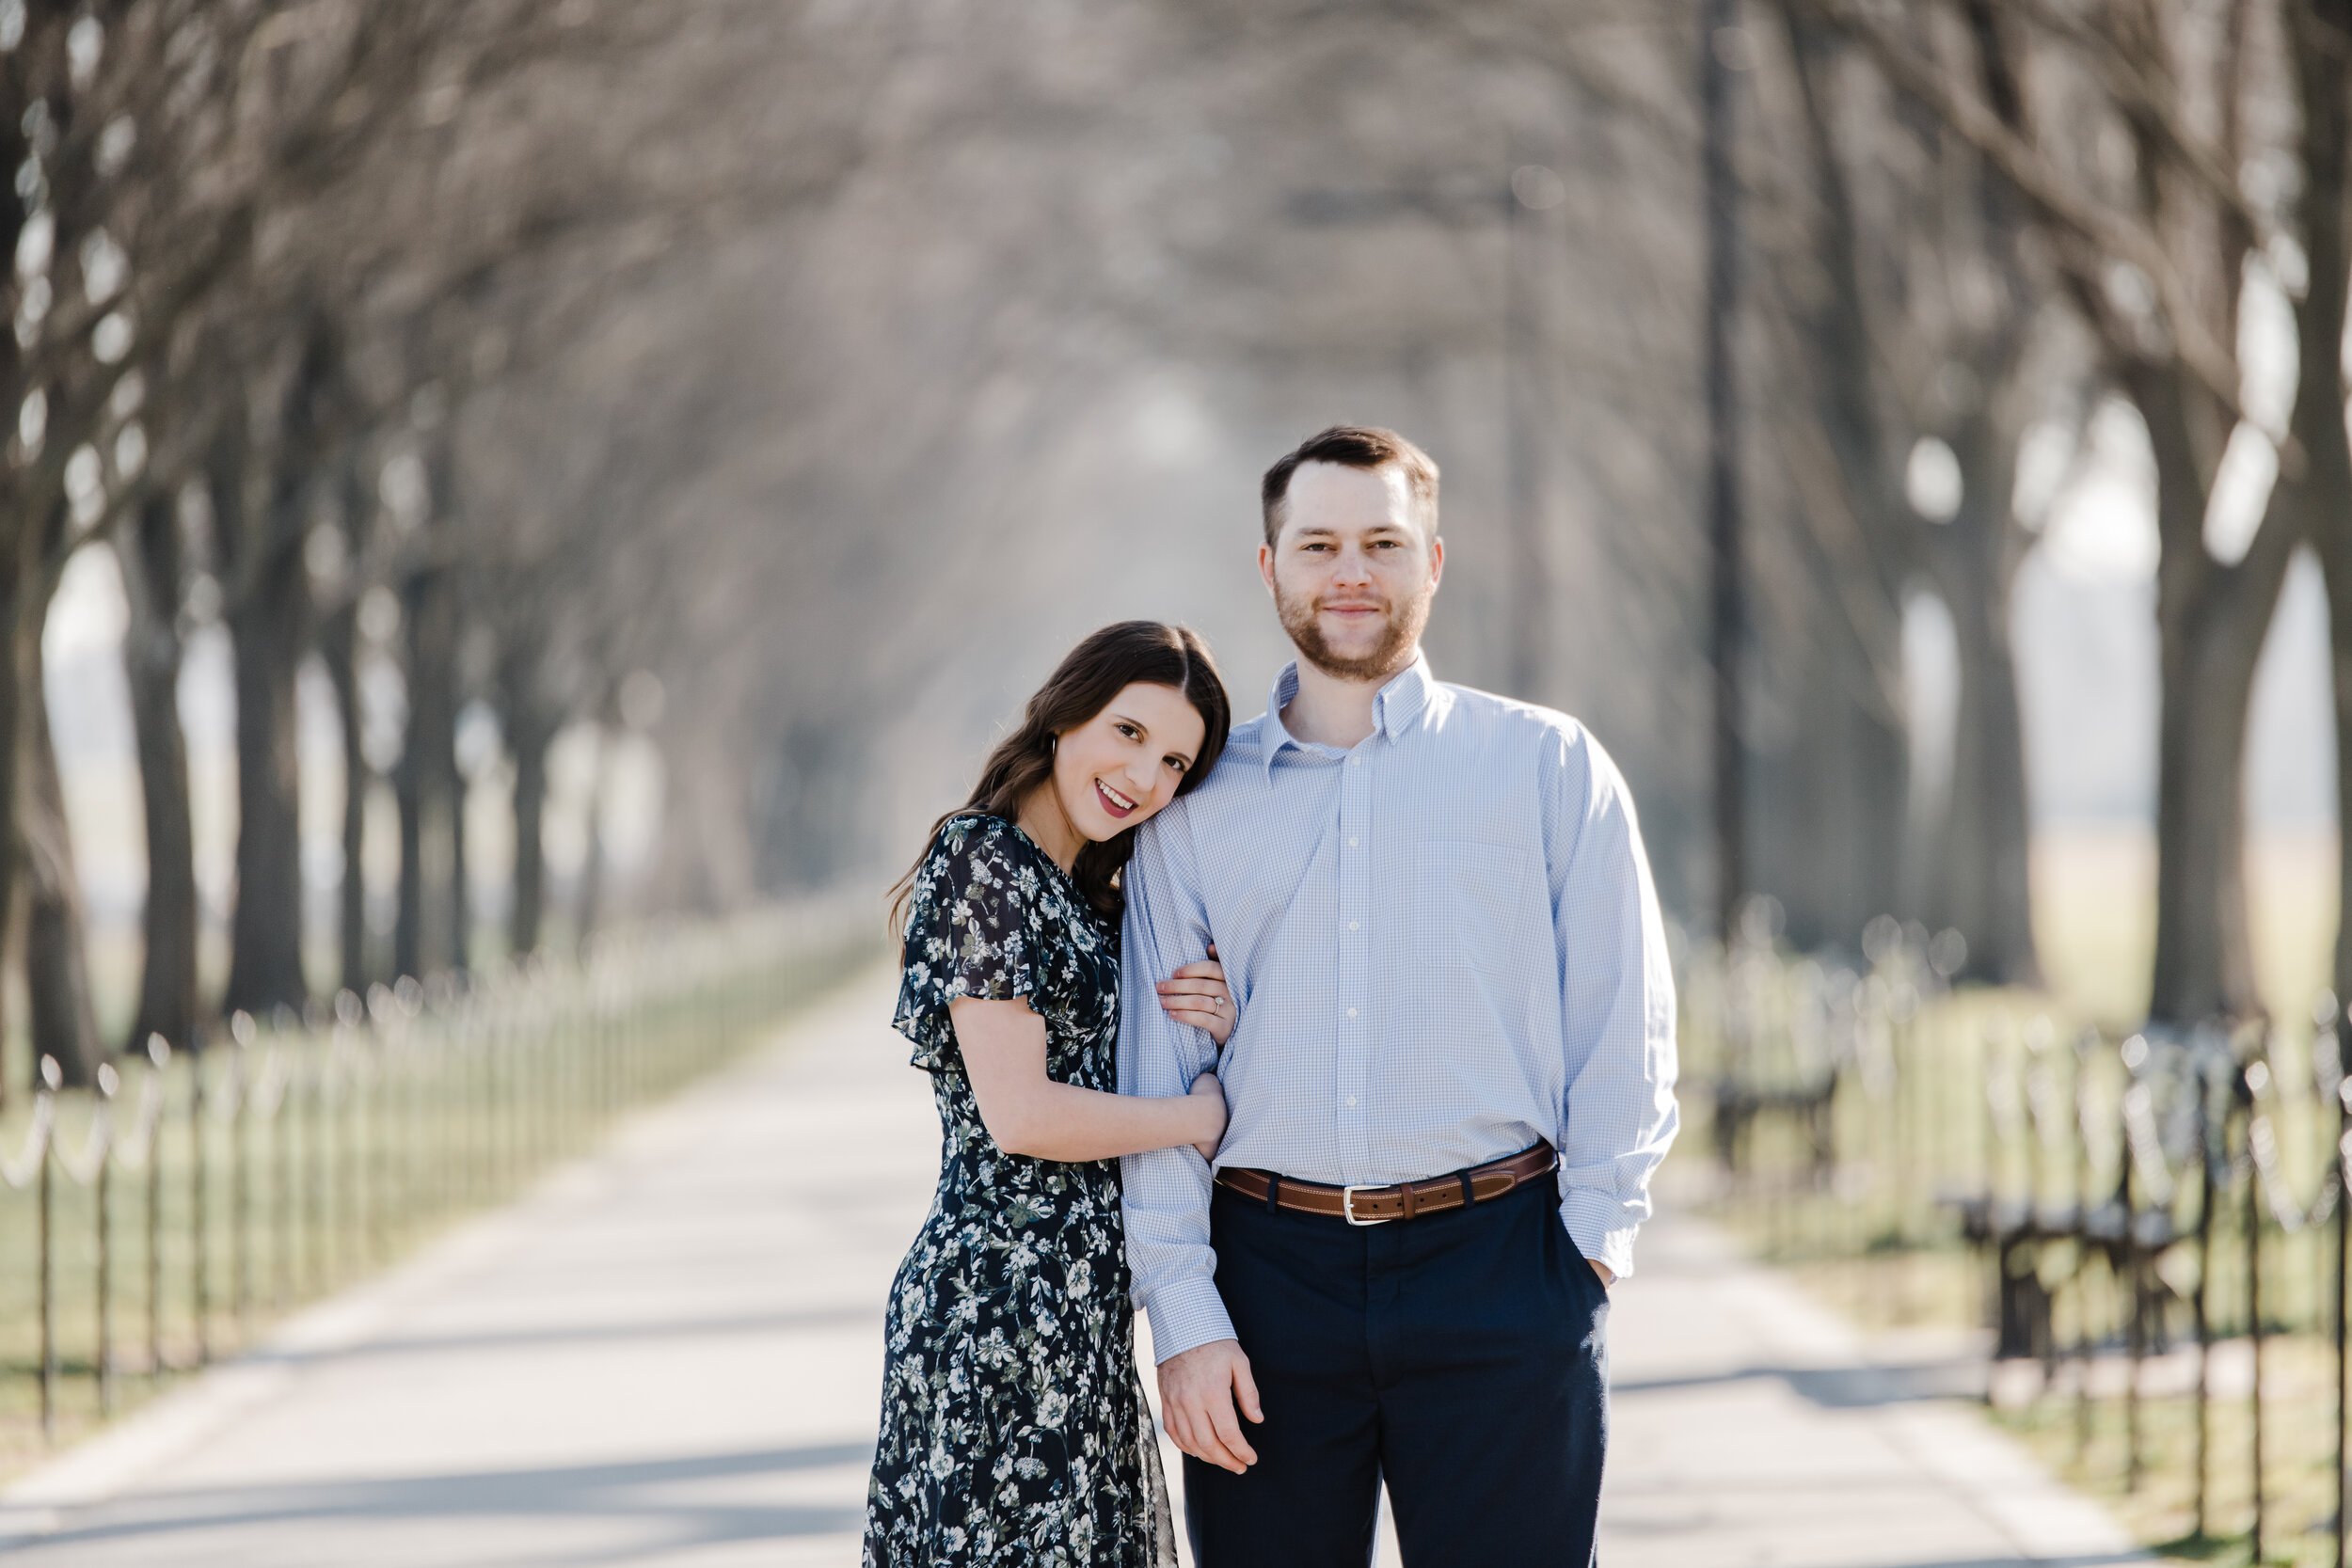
(1347, 1203)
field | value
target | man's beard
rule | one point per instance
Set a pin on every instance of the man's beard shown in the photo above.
(1407, 618)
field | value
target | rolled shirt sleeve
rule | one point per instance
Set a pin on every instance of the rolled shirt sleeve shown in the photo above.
(1618, 1115)
(1166, 1190)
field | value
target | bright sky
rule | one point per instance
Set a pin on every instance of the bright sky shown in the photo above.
(88, 615)
(2104, 526)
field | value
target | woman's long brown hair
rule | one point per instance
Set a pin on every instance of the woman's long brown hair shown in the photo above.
(1094, 672)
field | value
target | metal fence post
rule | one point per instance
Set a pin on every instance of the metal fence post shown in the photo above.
(283, 1228)
(158, 1054)
(2211, 1148)
(103, 1180)
(199, 1223)
(2249, 1082)
(2343, 1361)
(51, 1079)
(496, 1078)
(240, 1173)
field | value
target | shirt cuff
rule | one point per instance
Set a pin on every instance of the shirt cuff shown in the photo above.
(1185, 1315)
(1600, 1227)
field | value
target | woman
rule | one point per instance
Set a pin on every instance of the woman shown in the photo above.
(1014, 1425)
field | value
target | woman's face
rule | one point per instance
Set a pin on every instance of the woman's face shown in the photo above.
(1123, 765)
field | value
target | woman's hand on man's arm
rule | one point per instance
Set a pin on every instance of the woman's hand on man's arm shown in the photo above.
(1198, 994)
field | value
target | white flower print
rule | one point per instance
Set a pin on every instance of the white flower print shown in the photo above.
(1010, 1333)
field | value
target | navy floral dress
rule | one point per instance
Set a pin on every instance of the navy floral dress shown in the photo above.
(1013, 1427)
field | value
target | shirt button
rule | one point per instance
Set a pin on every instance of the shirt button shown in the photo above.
(1354, 761)
(1351, 1012)
(1351, 841)
(1351, 1101)
(1351, 925)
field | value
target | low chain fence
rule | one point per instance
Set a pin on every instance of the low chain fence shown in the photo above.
(153, 1223)
(2157, 1221)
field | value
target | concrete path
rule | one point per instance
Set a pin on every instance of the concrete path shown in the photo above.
(669, 1355)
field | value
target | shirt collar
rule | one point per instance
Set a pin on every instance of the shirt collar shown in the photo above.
(1394, 710)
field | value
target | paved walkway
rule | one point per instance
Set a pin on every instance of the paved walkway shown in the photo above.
(669, 1354)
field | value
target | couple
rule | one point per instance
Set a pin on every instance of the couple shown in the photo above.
(1369, 1156)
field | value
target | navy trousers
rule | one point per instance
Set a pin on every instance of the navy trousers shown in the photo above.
(1461, 1357)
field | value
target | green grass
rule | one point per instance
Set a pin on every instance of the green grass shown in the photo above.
(1876, 1243)
(370, 1153)
(2298, 1462)
(315, 1197)
(2094, 920)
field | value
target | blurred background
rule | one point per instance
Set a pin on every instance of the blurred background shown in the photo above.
(518, 513)
(485, 470)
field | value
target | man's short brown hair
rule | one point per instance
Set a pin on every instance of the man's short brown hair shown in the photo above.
(1355, 446)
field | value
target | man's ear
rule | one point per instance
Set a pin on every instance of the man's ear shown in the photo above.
(1266, 565)
(1436, 561)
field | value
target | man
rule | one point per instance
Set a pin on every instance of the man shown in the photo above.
(1436, 920)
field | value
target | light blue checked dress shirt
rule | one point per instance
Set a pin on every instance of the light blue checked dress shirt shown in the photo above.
(1444, 944)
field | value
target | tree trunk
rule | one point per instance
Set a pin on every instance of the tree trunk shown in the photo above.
(267, 630)
(2320, 33)
(2205, 962)
(2214, 617)
(1831, 774)
(1985, 848)
(339, 649)
(593, 871)
(1853, 746)
(529, 736)
(1980, 858)
(408, 917)
(432, 913)
(19, 571)
(2335, 554)
(808, 831)
(149, 550)
(57, 964)
(454, 788)
(1865, 800)
(2211, 619)
(35, 850)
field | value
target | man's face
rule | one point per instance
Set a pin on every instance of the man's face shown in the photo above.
(1351, 573)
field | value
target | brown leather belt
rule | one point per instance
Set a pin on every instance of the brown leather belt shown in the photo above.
(1404, 1201)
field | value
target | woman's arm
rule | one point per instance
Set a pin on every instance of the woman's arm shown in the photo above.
(1027, 1113)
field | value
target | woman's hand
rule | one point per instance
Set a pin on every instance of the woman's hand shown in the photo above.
(1212, 1093)
(1197, 994)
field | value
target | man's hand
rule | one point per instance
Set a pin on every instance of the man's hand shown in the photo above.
(1199, 1390)
(1602, 1268)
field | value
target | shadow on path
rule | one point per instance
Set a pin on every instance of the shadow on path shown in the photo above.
(764, 1323)
(1856, 1388)
(632, 1490)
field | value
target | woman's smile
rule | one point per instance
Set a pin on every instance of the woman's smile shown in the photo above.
(1113, 802)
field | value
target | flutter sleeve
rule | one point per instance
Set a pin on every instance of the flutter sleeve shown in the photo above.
(971, 930)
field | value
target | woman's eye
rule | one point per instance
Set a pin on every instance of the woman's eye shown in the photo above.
(1127, 730)
(1174, 764)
